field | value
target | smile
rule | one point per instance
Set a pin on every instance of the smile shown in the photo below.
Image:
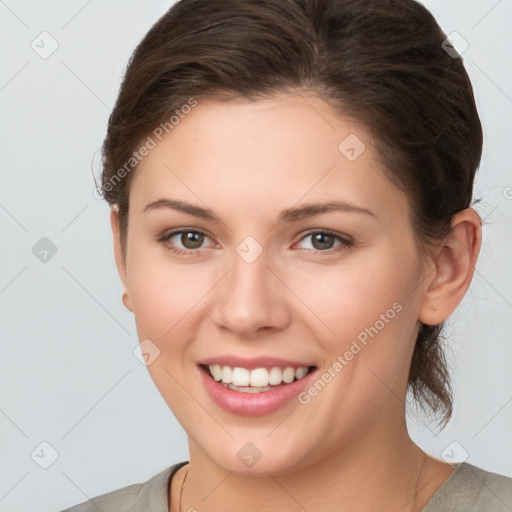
(256, 388)
(257, 380)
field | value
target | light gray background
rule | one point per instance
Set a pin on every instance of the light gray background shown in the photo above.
(68, 375)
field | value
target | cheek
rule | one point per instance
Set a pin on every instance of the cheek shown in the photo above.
(353, 296)
(167, 296)
(371, 316)
(167, 299)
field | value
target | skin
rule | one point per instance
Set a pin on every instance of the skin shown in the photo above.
(248, 161)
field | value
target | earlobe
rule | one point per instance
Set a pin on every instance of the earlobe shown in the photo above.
(119, 256)
(126, 301)
(454, 263)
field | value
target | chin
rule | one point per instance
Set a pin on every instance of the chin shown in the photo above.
(258, 458)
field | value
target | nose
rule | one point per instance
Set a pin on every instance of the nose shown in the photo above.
(251, 299)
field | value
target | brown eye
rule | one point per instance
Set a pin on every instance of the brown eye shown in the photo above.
(191, 239)
(326, 241)
(184, 241)
(322, 241)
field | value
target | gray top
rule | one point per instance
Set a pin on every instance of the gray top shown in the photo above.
(468, 489)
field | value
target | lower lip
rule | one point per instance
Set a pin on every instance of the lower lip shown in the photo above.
(253, 404)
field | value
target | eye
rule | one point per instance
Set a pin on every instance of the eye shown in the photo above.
(323, 241)
(190, 239)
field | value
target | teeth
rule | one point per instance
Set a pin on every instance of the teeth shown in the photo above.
(216, 371)
(289, 375)
(247, 389)
(240, 377)
(275, 376)
(248, 380)
(301, 372)
(259, 377)
(226, 374)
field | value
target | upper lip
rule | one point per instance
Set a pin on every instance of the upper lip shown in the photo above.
(252, 363)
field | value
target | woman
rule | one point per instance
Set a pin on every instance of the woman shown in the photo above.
(291, 186)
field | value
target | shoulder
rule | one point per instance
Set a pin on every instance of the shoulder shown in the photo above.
(471, 488)
(114, 501)
(151, 495)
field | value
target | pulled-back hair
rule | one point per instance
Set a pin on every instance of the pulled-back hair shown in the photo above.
(380, 62)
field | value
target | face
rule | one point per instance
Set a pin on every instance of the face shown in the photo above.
(229, 262)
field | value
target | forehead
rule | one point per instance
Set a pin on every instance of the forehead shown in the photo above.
(279, 151)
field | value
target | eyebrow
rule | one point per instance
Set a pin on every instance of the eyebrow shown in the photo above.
(288, 215)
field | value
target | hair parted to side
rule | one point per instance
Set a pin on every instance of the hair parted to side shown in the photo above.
(379, 62)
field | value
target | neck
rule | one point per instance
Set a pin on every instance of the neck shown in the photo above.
(353, 479)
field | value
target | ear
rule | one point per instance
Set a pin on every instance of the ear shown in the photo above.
(454, 264)
(119, 255)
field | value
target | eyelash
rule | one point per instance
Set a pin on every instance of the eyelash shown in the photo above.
(346, 242)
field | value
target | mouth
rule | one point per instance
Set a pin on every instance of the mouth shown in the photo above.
(255, 380)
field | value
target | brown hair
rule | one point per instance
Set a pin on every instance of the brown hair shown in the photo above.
(380, 62)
